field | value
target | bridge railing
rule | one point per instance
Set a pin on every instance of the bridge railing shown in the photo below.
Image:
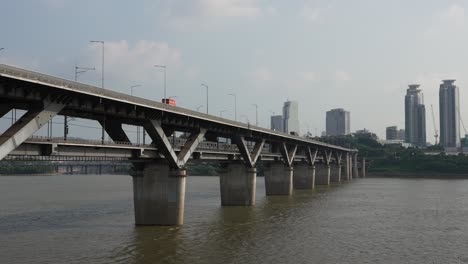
(177, 143)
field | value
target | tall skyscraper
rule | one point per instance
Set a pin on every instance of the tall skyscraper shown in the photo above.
(277, 123)
(291, 117)
(415, 116)
(449, 104)
(338, 122)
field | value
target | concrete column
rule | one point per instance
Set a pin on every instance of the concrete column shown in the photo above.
(355, 167)
(335, 173)
(304, 176)
(159, 194)
(278, 179)
(363, 168)
(322, 174)
(238, 184)
(345, 168)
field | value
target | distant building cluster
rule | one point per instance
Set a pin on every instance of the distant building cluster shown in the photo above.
(392, 133)
(289, 121)
(414, 133)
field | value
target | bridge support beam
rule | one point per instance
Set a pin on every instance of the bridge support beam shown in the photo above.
(158, 194)
(278, 179)
(322, 174)
(237, 183)
(25, 127)
(335, 173)
(304, 176)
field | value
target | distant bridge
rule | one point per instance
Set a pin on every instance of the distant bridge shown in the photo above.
(159, 168)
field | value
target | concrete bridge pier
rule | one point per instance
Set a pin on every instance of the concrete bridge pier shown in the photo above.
(158, 194)
(363, 168)
(346, 168)
(278, 179)
(237, 183)
(355, 166)
(335, 173)
(322, 174)
(304, 176)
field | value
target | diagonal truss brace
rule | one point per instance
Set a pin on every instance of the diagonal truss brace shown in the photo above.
(4, 109)
(156, 132)
(338, 156)
(327, 155)
(311, 156)
(288, 153)
(249, 158)
(114, 130)
(25, 127)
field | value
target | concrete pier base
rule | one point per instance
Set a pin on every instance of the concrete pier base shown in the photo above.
(322, 174)
(304, 176)
(278, 179)
(159, 195)
(335, 173)
(363, 168)
(346, 168)
(238, 183)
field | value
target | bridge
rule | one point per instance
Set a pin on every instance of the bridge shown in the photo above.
(178, 135)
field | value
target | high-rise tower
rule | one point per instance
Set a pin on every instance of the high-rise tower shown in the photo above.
(291, 117)
(415, 116)
(449, 107)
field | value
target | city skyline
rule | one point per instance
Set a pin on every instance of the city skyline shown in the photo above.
(187, 38)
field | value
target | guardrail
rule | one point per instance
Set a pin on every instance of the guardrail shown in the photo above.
(177, 143)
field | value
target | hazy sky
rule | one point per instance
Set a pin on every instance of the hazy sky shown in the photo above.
(359, 55)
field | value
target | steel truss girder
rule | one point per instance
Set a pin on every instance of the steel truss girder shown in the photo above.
(250, 159)
(114, 130)
(157, 134)
(311, 155)
(327, 155)
(288, 154)
(26, 126)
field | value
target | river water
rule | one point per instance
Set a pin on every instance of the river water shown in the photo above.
(89, 219)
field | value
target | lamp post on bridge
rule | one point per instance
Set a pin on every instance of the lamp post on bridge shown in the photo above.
(235, 105)
(256, 114)
(78, 70)
(138, 127)
(206, 86)
(102, 86)
(164, 69)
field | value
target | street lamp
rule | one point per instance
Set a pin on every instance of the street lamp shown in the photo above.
(198, 108)
(133, 87)
(206, 86)
(221, 113)
(102, 86)
(138, 127)
(102, 67)
(256, 114)
(164, 68)
(78, 71)
(235, 105)
(246, 118)
(81, 70)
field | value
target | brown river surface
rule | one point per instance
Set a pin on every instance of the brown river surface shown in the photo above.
(89, 219)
